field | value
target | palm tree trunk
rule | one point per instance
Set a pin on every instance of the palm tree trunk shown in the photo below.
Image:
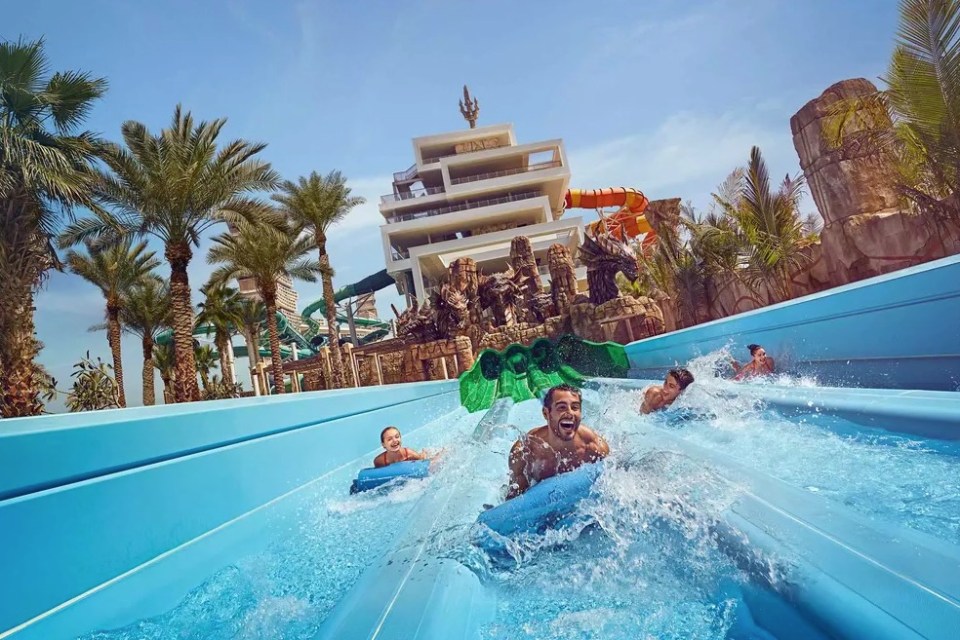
(220, 338)
(113, 338)
(270, 302)
(333, 329)
(148, 394)
(18, 348)
(167, 389)
(205, 378)
(253, 355)
(185, 381)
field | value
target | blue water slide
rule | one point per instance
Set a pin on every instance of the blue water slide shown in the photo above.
(897, 330)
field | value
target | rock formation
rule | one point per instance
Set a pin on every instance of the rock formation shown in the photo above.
(866, 230)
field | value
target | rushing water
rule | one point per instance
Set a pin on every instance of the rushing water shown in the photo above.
(648, 564)
(897, 478)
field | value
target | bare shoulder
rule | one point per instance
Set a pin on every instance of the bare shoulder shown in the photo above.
(593, 440)
(652, 399)
(588, 434)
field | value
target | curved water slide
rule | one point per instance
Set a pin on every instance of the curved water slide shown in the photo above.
(628, 222)
(370, 284)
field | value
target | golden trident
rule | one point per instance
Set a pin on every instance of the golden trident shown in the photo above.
(469, 110)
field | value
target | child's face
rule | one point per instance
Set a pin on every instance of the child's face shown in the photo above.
(391, 440)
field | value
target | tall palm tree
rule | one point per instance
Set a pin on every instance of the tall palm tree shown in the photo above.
(175, 185)
(114, 268)
(221, 310)
(45, 170)
(145, 312)
(252, 315)
(264, 253)
(771, 227)
(206, 360)
(164, 361)
(315, 203)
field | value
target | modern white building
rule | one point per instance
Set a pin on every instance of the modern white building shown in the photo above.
(468, 194)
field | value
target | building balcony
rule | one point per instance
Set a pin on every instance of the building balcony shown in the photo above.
(411, 194)
(460, 206)
(506, 172)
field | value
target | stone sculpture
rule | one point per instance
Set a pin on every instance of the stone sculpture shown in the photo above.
(563, 278)
(500, 294)
(605, 256)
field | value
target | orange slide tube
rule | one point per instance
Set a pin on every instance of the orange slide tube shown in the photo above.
(628, 222)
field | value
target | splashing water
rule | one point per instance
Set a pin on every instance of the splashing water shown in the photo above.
(897, 478)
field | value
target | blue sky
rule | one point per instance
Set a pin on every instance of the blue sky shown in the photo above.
(667, 96)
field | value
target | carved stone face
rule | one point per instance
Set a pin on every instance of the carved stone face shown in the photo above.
(500, 293)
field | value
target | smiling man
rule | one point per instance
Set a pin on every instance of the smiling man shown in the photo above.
(561, 445)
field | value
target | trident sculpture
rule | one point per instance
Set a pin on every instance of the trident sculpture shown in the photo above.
(469, 110)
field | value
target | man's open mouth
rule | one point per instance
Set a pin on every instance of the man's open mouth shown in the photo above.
(568, 424)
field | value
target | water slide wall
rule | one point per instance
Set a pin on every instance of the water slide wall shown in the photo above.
(895, 331)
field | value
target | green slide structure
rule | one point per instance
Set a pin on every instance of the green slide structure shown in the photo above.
(523, 373)
(370, 284)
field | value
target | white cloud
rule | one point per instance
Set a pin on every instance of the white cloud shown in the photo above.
(686, 156)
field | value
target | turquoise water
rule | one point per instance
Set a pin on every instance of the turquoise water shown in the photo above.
(896, 478)
(288, 589)
(648, 567)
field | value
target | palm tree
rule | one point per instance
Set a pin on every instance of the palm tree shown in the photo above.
(265, 254)
(206, 360)
(315, 203)
(771, 228)
(145, 312)
(175, 185)
(164, 361)
(114, 269)
(221, 310)
(45, 170)
(252, 315)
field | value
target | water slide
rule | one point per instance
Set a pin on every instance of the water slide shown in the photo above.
(627, 222)
(793, 508)
(370, 284)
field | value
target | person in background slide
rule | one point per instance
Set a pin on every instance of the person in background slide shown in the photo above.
(760, 364)
(661, 397)
(395, 451)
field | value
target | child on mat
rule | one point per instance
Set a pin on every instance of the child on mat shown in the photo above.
(394, 450)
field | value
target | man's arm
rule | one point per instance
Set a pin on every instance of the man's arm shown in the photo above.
(651, 400)
(519, 482)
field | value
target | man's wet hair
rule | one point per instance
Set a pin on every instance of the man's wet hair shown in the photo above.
(548, 397)
(753, 348)
(683, 377)
(384, 432)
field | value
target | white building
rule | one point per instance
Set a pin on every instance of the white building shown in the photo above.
(468, 194)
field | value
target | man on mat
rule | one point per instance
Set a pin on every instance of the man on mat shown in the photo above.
(561, 445)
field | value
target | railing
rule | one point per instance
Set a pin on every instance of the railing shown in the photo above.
(506, 172)
(462, 206)
(399, 254)
(406, 175)
(413, 193)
